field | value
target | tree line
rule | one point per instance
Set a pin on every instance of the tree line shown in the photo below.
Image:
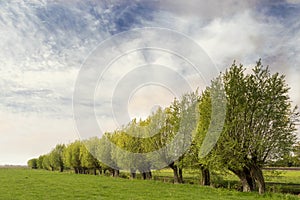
(240, 123)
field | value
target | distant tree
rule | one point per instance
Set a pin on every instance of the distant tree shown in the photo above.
(88, 157)
(40, 162)
(136, 146)
(287, 160)
(175, 124)
(127, 145)
(47, 164)
(56, 157)
(162, 126)
(297, 150)
(211, 111)
(187, 126)
(202, 128)
(144, 162)
(122, 159)
(105, 154)
(32, 163)
(72, 156)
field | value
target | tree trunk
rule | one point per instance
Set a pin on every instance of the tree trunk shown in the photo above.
(175, 172)
(116, 173)
(245, 184)
(149, 175)
(257, 174)
(100, 170)
(205, 176)
(180, 175)
(245, 178)
(111, 171)
(250, 180)
(132, 174)
(144, 175)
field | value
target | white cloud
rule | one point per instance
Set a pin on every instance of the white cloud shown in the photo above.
(293, 1)
(206, 10)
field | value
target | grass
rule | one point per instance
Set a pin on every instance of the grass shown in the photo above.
(283, 176)
(28, 184)
(281, 181)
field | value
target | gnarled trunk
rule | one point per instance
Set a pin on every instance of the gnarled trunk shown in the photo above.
(100, 170)
(180, 175)
(205, 176)
(144, 175)
(257, 174)
(149, 175)
(245, 178)
(132, 174)
(116, 173)
(175, 172)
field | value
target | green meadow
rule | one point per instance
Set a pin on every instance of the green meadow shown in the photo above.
(29, 184)
(278, 181)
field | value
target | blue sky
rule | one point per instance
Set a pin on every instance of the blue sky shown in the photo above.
(43, 44)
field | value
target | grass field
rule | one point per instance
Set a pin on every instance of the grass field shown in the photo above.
(28, 184)
(280, 181)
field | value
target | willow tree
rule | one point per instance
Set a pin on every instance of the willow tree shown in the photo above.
(123, 154)
(138, 144)
(88, 157)
(72, 156)
(259, 124)
(104, 154)
(173, 128)
(32, 163)
(56, 157)
(211, 115)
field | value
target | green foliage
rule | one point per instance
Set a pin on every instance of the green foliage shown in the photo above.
(32, 163)
(287, 160)
(40, 162)
(260, 123)
(104, 151)
(72, 156)
(88, 153)
(46, 163)
(56, 157)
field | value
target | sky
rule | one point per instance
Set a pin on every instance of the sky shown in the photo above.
(45, 45)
